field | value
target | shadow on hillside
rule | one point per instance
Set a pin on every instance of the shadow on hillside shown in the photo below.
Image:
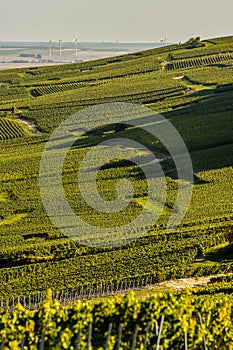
(221, 255)
(209, 147)
(213, 148)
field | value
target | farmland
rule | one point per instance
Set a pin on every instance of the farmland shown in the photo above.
(34, 54)
(31, 244)
(192, 88)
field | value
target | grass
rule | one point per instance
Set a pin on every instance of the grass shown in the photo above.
(14, 219)
(152, 206)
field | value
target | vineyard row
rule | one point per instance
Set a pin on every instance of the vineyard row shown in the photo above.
(199, 61)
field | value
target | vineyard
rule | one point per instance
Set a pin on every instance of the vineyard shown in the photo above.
(165, 321)
(193, 89)
(10, 129)
(53, 89)
(200, 61)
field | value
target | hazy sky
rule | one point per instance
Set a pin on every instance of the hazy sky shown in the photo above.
(111, 20)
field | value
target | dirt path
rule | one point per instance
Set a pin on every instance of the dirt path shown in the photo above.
(30, 124)
(194, 282)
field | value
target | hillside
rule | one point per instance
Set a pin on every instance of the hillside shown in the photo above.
(193, 89)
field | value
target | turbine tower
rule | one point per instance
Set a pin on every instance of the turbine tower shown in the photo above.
(76, 46)
(50, 48)
(60, 41)
(164, 40)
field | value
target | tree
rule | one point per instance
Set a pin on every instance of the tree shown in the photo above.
(193, 43)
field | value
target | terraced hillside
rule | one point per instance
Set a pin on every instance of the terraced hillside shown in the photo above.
(10, 129)
(193, 89)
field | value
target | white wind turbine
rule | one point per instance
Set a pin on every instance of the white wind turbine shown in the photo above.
(50, 48)
(60, 41)
(76, 45)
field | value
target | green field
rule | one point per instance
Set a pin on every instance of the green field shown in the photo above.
(193, 89)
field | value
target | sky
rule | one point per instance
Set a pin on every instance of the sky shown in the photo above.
(111, 20)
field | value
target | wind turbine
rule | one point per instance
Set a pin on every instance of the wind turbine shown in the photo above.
(60, 41)
(76, 45)
(164, 40)
(50, 48)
